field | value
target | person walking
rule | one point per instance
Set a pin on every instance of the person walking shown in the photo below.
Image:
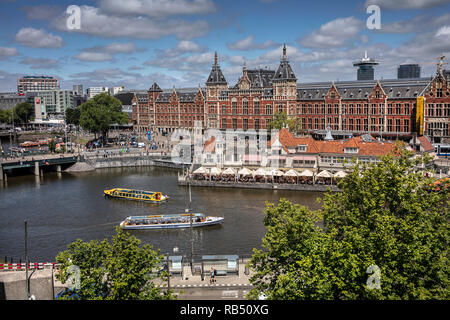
(213, 274)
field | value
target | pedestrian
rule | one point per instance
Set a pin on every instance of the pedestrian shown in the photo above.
(213, 274)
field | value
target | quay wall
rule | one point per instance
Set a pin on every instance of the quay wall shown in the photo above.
(256, 185)
(90, 164)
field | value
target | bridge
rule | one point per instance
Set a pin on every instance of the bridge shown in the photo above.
(37, 163)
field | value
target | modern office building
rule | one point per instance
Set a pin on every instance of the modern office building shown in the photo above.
(77, 90)
(408, 71)
(36, 83)
(365, 68)
(93, 91)
(55, 102)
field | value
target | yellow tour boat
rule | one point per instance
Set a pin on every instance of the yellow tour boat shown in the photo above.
(140, 195)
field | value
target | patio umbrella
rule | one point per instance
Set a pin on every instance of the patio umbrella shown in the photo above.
(200, 170)
(245, 172)
(291, 173)
(277, 173)
(215, 171)
(340, 174)
(229, 171)
(306, 173)
(259, 172)
(324, 174)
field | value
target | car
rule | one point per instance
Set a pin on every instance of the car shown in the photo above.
(141, 145)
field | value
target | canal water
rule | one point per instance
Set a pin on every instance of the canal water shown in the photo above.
(62, 208)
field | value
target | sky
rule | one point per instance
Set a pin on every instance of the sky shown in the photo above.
(134, 43)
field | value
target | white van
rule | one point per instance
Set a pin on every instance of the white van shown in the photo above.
(141, 145)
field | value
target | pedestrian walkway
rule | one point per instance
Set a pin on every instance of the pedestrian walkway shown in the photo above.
(239, 280)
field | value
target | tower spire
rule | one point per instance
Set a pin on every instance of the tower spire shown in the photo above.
(215, 58)
(284, 51)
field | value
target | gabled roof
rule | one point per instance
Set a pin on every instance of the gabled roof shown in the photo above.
(216, 76)
(155, 88)
(284, 71)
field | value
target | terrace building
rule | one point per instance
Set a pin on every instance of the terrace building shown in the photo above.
(392, 109)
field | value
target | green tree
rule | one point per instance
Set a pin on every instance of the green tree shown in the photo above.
(388, 215)
(23, 112)
(100, 112)
(281, 120)
(5, 116)
(120, 270)
(73, 116)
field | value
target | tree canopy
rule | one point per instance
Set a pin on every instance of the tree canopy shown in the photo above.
(281, 120)
(23, 112)
(120, 270)
(73, 116)
(100, 112)
(385, 236)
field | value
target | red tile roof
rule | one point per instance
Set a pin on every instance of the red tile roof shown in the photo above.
(425, 143)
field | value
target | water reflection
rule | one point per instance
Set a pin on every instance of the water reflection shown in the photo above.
(60, 208)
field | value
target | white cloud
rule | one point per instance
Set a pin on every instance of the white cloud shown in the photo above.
(41, 63)
(406, 4)
(336, 33)
(94, 56)
(248, 43)
(157, 8)
(443, 31)
(6, 52)
(97, 23)
(38, 38)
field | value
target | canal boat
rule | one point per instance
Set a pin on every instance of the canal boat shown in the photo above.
(139, 195)
(169, 221)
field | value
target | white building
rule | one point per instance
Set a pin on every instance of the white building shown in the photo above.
(93, 91)
(115, 90)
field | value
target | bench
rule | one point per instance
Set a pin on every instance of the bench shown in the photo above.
(221, 272)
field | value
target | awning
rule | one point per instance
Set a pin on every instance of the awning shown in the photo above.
(303, 158)
(277, 158)
(251, 158)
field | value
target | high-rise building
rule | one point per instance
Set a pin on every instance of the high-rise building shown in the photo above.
(93, 91)
(36, 83)
(408, 71)
(365, 68)
(77, 89)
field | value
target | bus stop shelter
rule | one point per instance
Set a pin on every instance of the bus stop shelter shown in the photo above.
(223, 264)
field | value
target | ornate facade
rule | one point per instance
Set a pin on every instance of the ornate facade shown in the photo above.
(386, 108)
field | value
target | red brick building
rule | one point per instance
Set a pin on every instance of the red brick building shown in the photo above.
(386, 108)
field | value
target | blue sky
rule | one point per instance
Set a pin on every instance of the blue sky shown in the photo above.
(172, 42)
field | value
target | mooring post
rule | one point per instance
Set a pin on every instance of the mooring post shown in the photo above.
(1, 172)
(36, 168)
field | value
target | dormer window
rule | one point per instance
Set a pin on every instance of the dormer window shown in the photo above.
(301, 148)
(350, 150)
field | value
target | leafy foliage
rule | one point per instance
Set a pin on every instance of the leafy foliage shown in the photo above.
(73, 116)
(23, 112)
(120, 270)
(388, 214)
(281, 120)
(100, 112)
